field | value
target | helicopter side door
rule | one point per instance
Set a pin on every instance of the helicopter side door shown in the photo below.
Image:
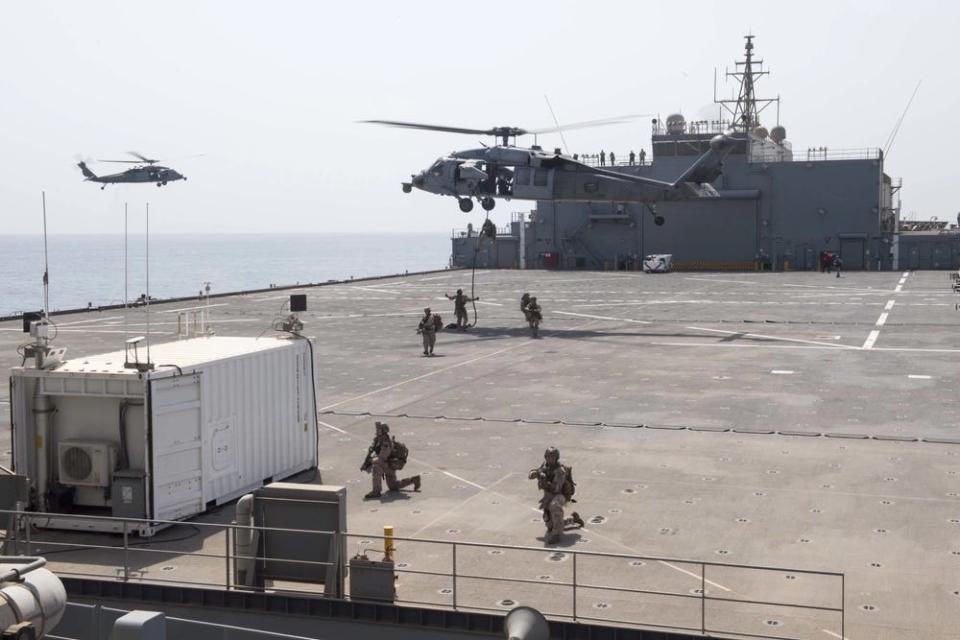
(533, 183)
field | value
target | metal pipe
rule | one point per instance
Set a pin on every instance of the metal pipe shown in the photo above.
(15, 574)
(42, 408)
(454, 576)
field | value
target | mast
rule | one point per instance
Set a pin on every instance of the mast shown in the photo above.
(746, 108)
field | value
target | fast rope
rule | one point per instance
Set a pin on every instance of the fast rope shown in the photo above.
(489, 230)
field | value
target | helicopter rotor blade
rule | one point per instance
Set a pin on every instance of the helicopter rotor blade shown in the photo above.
(590, 123)
(427, 127)
(142, 157)
(121, 161)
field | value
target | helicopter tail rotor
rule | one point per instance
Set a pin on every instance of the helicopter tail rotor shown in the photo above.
(85, 170)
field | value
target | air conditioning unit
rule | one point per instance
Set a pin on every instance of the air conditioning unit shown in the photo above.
(86, 463)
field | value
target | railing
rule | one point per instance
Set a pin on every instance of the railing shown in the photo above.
(617, 589)
(593, 160)
(814, 154)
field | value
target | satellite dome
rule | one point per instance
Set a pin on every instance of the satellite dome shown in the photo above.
(778, 134)
(676, 123)
(760, 133)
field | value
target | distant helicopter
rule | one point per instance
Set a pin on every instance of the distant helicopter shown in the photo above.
(147, 171)
(507, 171)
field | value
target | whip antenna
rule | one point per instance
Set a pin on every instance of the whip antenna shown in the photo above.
(556, 122)
(896, 127)
(46, 267)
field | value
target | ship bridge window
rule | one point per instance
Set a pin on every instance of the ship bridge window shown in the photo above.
(540, 178)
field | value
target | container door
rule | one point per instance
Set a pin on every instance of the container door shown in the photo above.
(177, 447)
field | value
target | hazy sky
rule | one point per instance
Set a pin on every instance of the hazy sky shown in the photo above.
(269, 92)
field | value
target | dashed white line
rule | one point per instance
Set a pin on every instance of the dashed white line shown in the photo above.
(782, 372)
(889, 305)
(882, 320)
(871, 339)
(918, 376)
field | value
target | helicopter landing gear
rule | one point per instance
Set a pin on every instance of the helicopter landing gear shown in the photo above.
(657, 219)
(488, 203)
(159, 184)
(407, 187)
(103, 187)
(466, 205)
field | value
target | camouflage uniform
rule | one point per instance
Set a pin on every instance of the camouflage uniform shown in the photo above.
(428, 329)
(550, 477)
(460, 307)
(533, 312)
(380, 468)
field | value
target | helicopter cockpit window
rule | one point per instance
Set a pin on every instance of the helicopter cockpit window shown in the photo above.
(437, 169)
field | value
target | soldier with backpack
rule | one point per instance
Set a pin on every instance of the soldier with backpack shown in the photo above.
(384, 458)
(556, 482)
(430, 323)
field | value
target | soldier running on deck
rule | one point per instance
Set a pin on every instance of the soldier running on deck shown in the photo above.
(532, 312)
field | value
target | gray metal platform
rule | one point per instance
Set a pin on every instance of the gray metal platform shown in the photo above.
(787, 419)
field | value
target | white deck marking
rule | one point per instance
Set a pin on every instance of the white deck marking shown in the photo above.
(205, 306)
(496, 304)
(918, 376)
(337, 429)
(782, 372)
(88, 320)
(718, 280)
(871, 339)
(428, 374)
(835, 635)
(882, 320)
(472, 484)
(587, 315)
(446, 277)
(769, 337)
(378, 290)
(727, 345)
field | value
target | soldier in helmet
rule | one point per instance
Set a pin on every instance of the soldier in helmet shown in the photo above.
(532, 312)
(383, 464)
(556, 482)
(460, 307)
(428, 327)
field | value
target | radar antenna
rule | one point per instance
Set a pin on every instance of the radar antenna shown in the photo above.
(746, 108)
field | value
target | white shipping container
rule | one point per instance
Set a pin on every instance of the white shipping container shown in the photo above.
(216, 418)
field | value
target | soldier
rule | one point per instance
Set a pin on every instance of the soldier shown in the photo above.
(533, 313)
(643, 156)
(460, 307)
(428, 327)
(556, 482)
(603, 158)
(383, 462)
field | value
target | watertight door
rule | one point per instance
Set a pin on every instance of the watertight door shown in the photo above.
(177, 447)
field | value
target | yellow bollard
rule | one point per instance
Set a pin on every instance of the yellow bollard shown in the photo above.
(388, 547)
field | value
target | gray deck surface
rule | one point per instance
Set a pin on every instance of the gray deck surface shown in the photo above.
(731, 360)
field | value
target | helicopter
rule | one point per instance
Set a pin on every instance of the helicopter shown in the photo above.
(147, 171)
(507, 171)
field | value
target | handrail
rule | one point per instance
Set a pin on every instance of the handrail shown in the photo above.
(450, 568)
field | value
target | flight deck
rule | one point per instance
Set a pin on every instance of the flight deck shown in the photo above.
(792, 420)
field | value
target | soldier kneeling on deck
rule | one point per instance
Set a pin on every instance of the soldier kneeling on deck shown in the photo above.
(384, 458)
(556, 482)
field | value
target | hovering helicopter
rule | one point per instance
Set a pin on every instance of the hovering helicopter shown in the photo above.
(508, 171)
(147, 171)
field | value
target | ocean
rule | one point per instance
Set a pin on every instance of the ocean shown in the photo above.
(89, 268)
